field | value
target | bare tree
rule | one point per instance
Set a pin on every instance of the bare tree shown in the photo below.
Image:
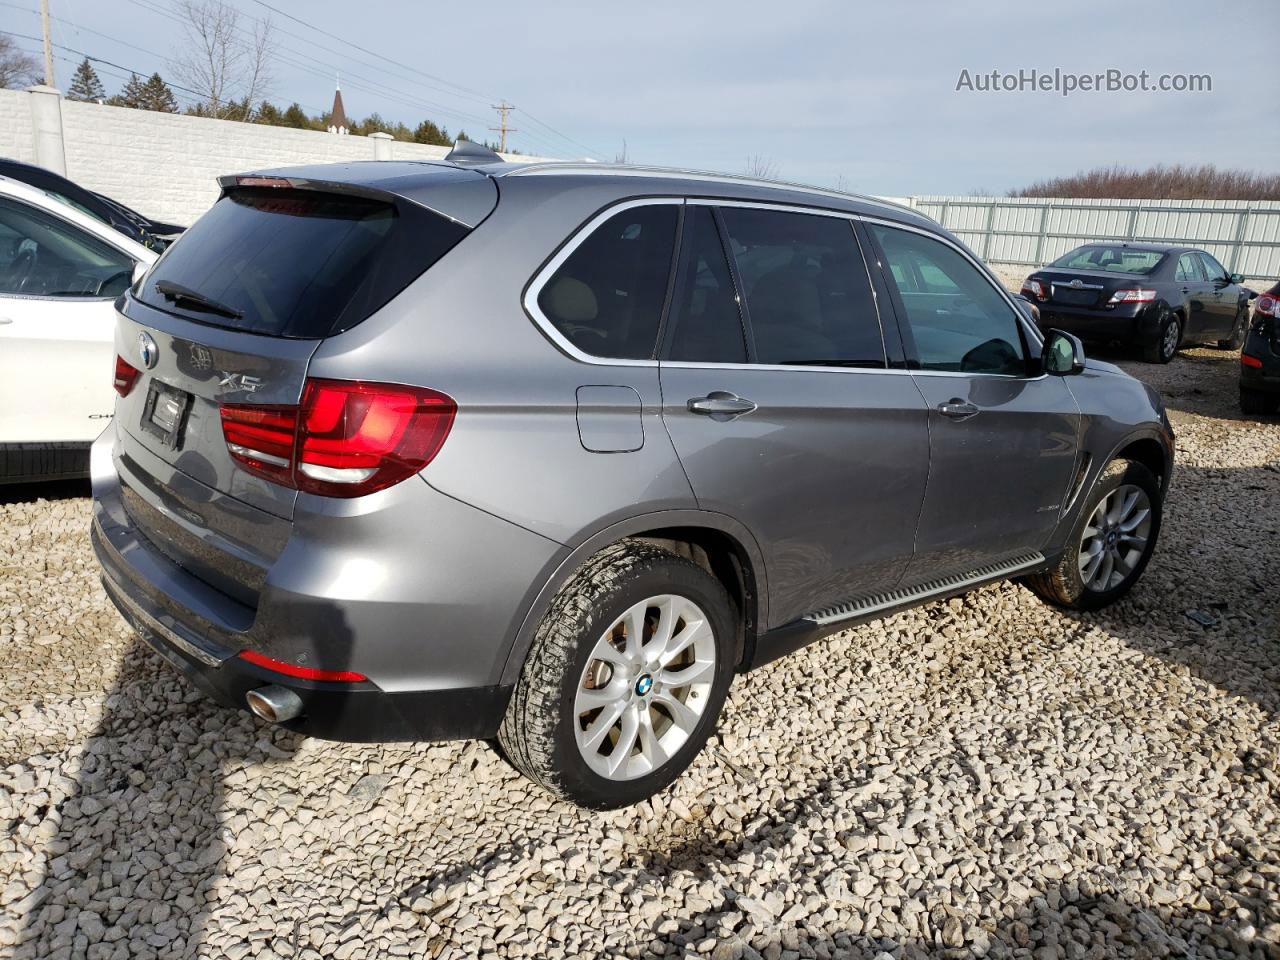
(761, 167)
(228, 65)
(17, 69)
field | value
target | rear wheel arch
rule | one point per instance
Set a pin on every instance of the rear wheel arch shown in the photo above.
(718, 543)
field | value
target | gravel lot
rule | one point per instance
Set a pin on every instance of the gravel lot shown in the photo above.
(980, 777)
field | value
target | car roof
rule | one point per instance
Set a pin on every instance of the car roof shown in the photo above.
(412, 178)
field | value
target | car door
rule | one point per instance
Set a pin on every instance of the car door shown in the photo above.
(58, 283)
(1220, 297)
(1188, 278)
(1003, 437)
(777, 395)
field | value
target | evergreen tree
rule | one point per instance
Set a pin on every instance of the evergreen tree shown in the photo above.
(157, 96)
(428, 132)
(132, 95)
(269, 114)
(295, 116)
(85, 85)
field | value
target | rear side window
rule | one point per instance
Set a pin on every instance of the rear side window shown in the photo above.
(808, 295)
(606, 298)
(1188, 268)
(706, 327)
(957, 319)
(298, 263)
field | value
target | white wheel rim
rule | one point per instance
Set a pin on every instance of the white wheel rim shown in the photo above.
(645, 687)
(1115, 538)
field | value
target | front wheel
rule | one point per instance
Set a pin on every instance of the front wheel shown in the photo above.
(1236, 340)
(625, 678)
(1111, 543)
(1168, 336)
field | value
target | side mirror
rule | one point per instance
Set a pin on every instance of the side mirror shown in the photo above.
(1237, 278)
(1063, 354)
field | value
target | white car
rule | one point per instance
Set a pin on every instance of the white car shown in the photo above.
(60, 273)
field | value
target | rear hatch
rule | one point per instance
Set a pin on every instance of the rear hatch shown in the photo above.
(231, 315)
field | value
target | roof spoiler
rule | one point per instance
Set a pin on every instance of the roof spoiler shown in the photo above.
(465, 152)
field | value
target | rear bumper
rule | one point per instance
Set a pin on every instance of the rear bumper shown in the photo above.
(432, 644)
(1128, 324)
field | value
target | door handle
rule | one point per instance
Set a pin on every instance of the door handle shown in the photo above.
(721, 405)
(958, 409)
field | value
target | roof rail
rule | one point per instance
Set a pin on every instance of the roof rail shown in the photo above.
(464, 151)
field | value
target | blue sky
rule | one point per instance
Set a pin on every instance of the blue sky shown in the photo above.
(853, 94)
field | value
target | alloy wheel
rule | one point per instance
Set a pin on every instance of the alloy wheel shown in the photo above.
(646, 685)
(1115, 538)
(1169, 339)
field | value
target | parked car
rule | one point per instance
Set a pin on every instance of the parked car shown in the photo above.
(1260, 357)
(399, 454)
(139, 228)
(60, 270)
(1152, 296)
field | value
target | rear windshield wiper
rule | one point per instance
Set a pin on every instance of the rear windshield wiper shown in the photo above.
(177, 293)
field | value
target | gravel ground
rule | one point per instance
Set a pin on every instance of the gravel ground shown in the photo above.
(980, 777)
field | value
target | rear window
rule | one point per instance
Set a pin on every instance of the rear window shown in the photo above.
(1115, 259)
(297, 263)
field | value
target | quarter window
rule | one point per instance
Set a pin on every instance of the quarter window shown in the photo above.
(808, 296)
(606, 298)
(705, 323)
(957, 318)
(43, 256)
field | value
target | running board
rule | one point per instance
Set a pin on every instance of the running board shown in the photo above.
(814, 626)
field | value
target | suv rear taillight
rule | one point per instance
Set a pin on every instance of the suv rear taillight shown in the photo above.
(345, 439)
(126, 376)
(1268, 305)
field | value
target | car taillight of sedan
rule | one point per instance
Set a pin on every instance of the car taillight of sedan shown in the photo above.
(1133, 296)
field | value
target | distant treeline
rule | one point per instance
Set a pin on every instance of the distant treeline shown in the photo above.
(1161, 182)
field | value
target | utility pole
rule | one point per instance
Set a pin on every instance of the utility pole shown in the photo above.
(48, 44)
(502, 129)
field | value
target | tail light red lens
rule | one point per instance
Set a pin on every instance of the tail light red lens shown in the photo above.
(302, 673)
(1036, 288)
(346, 438)
(1133, 296)
(1267, 306)
(1248, 361)
(126, 376)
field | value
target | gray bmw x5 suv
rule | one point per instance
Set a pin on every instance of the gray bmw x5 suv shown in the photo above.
(547, 453)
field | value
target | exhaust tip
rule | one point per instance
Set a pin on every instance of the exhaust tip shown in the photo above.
(274, 703)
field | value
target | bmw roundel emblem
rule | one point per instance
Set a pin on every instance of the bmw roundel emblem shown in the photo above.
(148, 350)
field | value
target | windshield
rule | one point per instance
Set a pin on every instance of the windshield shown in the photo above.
(1110, 258)
(297, 263)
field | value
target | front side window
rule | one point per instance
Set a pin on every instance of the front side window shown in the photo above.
(606, 298)
(43, 256)
(1213, 270)
(806, 287)
(704, 318)
(958, 320)
(1188, 268)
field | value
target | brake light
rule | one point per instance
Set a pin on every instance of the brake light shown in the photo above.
(1248, 361)
(1268, 305)
(1035, 288)
(126, 376)
(1133, 296)
(346, 438)
(302, 673)
(263, 182)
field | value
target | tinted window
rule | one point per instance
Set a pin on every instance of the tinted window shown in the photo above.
(957, 318)
(808, 296)
(43, 256)
(1188, 268)
(298, 263)
(606, 298)
(1213, 270)
(704, 313)
(1116, 259)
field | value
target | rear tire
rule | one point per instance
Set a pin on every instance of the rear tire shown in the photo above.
(1101, 562)
(605, 723)
(1238, 330)
(1168, 338)
(1256, 403)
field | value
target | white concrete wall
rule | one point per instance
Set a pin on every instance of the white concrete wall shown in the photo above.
(164, 164)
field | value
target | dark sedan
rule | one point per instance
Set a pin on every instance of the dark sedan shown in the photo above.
(1153, 296)
(1260, 358)
(153, 234)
